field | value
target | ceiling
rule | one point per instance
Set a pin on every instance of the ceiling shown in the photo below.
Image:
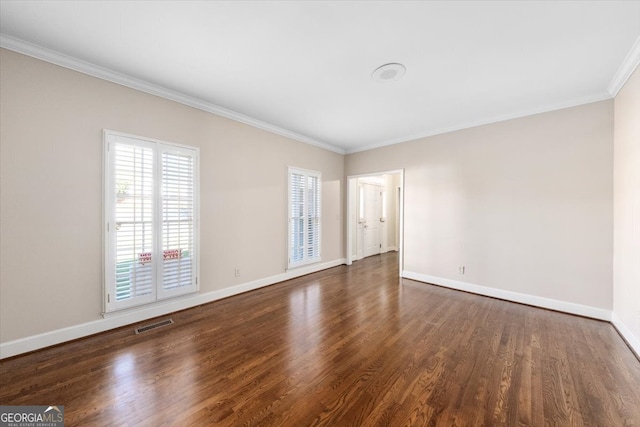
(303, 69)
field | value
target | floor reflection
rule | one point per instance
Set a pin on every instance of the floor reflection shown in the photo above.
(305, 331)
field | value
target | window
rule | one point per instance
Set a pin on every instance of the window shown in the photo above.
(151, 214)
(304, 217)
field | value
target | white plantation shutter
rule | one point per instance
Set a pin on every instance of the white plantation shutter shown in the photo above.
(133, 231)
(151, 220)
(313, 217)
(304, 217)
(178, 211)
(296, 220)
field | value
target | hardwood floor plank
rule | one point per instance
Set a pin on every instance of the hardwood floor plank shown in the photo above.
(349, 346)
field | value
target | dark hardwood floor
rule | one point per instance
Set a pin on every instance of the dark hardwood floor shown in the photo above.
(349, 346)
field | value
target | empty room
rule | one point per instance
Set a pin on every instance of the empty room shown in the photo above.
(279, 213)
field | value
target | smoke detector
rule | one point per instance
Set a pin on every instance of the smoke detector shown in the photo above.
(389, 72)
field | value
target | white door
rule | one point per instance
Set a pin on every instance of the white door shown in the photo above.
(372, 209)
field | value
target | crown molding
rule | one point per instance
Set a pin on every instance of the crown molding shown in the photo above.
(625, 70)
(57, 58)
(524, 113)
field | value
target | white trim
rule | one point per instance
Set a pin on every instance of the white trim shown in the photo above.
(553, 304)
(146, 139)
(51, 56)
(378, 173)
(391, 248)
(625, 70)
(349, 183)
(524, 113)
(306, 173)
(159, 148)
(349, 243)
(139, 314)
(57, 58)
(629, 337)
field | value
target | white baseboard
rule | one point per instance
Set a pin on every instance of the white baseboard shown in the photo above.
(564, 306)
(391, 249)
(139, 314)
(629, 337)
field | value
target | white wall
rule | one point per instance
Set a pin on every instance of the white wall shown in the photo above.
(524, 205)
(51, 193)
(626, 207)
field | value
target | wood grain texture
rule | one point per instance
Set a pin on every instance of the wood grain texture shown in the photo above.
(349, 346)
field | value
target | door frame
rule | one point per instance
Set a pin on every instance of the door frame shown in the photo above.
(352, 192)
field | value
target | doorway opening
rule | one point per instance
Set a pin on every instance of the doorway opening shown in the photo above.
(375, 215)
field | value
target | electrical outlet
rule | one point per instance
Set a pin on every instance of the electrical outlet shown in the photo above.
(461, 269)
(237, 272)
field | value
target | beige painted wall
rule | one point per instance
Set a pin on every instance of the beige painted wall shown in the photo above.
(626, 195)
(524, 205)
(51, 191)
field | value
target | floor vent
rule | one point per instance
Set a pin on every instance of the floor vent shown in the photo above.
(154, 326)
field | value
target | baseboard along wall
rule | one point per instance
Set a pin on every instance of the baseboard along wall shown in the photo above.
(138, 314)
(563, 306)
(536, 301)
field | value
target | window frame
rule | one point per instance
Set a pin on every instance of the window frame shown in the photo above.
(158, 293)
(306, 260)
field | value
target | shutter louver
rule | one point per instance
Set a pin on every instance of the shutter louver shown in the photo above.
(313, 217)
(177, 220)
(304, 217)
(133, 221)
(297, 218)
